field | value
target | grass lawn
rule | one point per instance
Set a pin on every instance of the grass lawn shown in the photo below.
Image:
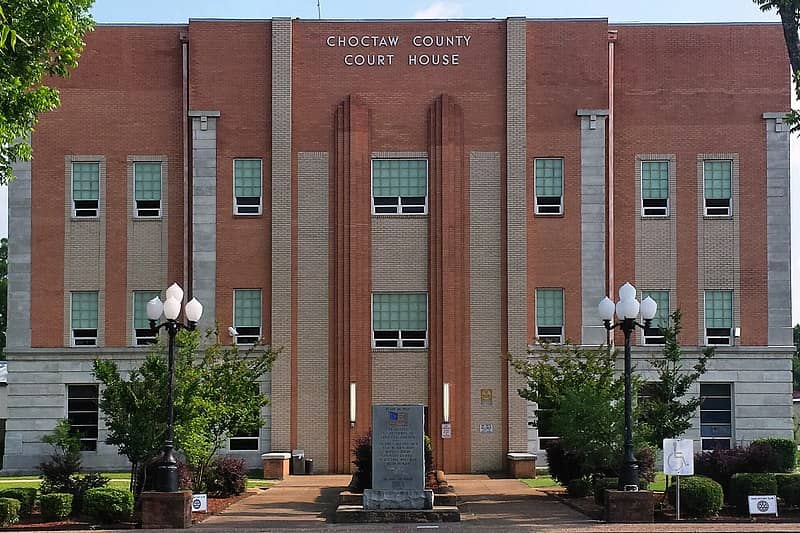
(545, 481)
(119, 480)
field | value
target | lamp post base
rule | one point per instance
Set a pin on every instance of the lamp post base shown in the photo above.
(167, 510)
(629, 476)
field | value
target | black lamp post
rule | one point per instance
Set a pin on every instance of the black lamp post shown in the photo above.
(627, 309)
(167, 479)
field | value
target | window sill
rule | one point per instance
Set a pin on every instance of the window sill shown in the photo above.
(656, 217)
(548, 215)
(248, 215)
(399, 215)
(392, 350)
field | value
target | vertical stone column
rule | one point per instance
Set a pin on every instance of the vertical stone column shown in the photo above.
(779, 258)
(204, 213)
(593, 222)
(516, 220)
(18, 333)
(282, 378)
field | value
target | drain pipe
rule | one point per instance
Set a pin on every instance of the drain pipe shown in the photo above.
(612, 38)
(185, 131)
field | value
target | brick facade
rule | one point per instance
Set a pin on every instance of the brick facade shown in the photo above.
(480, 101)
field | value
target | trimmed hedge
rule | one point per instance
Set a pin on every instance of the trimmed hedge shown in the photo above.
(601, 484)
(774, 454)
(579, 488)
(106, 506)
(744, 485)
(701, 497)
(9, 511)
(25, 495)
(789, 489)
(55, 506)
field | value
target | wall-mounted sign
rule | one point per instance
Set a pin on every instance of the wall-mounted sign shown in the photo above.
(199, 503)
(486, 396)
(486, 428)
(447, 430)
(388, 50)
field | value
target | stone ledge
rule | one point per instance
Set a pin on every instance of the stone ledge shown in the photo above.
(449, 499)
(356, 514)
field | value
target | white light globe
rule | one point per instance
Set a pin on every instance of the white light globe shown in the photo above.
(175, 291)
(154, 308)
(648, 308)
(627, 292)
(194, 310)
(172, 308)
(606, 309)
(627, 308)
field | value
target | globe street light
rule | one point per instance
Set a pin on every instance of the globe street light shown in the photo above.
(167, 479)
(627, 309)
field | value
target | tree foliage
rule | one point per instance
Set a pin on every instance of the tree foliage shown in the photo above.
(789, 13)
(665, 412)
(38, 39)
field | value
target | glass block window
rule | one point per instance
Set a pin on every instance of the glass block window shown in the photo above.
(400, 320)
(716, 407)
(85, 189)
(548, 186)
(400, 186)
(84, 319)
(717, 187)
(247, 186)
(718, 317)
(550, 315)
(142, 333)
(247, 315)
(82, 413)
(655, 188)
(147, 189)
(653, 335)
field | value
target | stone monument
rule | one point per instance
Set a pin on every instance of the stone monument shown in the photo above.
(398, 459)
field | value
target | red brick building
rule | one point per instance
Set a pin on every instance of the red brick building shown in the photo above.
(398, 204)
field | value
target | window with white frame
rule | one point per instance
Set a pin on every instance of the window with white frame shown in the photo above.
(550, 315)
(244, 441)
(719, 317)
(653, 334)
(82, 414)
(655, 188)
(147, 189)
(548, 186)
(142, 333)
(85, 189)
(247, 186)
(544, 423)
(717, 187)
(84, 318)
(399, 320)
(716, 407)
(400, 186)
(247, 315)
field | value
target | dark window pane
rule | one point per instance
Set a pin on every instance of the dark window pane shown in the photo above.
(715, 389)
(715, 403)
(82, 391)
(715, 417)
(715, 430)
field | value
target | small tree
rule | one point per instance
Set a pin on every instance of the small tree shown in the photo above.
(666, 411)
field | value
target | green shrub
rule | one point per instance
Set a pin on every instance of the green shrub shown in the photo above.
(744, 485)
(227, 476)
(701, 497)
(646, 458)
(789, 489)
(579, 488)
(106, 506)
(9, 511)
(55, 506)
(25, 495)
(777, 454)
(564, 465)
(601, 484)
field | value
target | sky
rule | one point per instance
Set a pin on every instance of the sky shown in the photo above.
(180, 11)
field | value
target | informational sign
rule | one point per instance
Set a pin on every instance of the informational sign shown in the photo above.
(447, 430)
(679, 457)
(486, 396)
(398, 453)
(486, 428)
(199, 503)
(763, 504)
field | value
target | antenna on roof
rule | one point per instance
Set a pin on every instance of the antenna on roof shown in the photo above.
(319, 11)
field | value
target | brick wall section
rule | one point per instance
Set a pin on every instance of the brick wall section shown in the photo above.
(718, 266)
(148, 248)
(84, 249)
(18, 333)
(656, 237)
(282, 382)
(691, 89)
(486, 306)
(399, 254)
(400, 377)
(312, 307)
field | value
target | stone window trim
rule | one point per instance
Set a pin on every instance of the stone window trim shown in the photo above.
(400, 204)
(670, 207)
(248, 205)
(98, 205)
(550, 204)
(550, 329)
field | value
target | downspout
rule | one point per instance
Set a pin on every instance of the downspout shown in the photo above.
(612, 38)
(185, 133)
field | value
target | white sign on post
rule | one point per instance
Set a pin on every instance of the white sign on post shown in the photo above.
(679, 457)
(763, 504)
(199, 503)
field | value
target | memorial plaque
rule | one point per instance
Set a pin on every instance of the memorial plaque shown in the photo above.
(398, 450)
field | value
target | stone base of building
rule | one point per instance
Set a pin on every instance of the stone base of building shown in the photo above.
(167, 510)
(629, 506)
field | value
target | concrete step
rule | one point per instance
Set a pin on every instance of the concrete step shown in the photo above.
(356, 514)
(352, 498)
